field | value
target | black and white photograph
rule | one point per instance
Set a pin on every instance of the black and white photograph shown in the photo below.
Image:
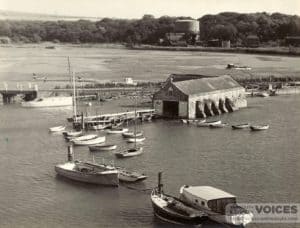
(149, 114)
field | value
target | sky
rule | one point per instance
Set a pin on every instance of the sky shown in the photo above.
(157, 8)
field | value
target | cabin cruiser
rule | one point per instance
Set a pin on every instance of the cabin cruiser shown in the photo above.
(219, 205)
(89, 173)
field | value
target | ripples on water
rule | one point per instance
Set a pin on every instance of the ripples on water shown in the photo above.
(255, 166)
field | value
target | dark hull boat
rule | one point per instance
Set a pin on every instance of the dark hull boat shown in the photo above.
(259, 127)
(130, 176)
(104, 147)
(130, 152)
(174, 210)
(240, 126)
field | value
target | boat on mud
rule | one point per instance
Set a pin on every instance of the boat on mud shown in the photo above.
(219, 205)
(171, 209)
(237, 67)
(259, 127)
(102, 147)
(240, 126)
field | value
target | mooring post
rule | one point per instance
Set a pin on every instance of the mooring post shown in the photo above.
(160, 185)
(70, 153)
(82, 121)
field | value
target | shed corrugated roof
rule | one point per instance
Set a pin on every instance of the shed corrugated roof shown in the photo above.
(204, 85)
(207, 192)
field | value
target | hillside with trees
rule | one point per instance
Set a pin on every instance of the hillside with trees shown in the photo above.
(149, 30)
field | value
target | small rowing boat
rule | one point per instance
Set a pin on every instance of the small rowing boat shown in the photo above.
(102, 147)
(240, 126)
(259, 127)
(136, 139)
(94, 141)
(220, 125)
(117, 130)
(130, 152)
(57, 128)
(72, 133)
(130, 176)
(83, 137)
(208, 123)
(131, 134)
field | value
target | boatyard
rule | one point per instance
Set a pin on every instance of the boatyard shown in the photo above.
(84, 162)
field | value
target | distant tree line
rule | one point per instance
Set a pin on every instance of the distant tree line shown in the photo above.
(149, 30)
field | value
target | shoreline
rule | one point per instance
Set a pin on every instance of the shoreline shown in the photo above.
(282, 51)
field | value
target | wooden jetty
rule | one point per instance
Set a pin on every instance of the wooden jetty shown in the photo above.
(87, 121)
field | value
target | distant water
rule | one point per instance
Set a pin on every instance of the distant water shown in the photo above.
(254, 166)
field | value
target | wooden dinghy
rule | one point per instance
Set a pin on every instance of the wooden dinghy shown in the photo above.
(130, 152)
(94, 141)
(102, 147)
(208, 123)
(57, 128)
(136, 139)
(240, 126)
(259, 127)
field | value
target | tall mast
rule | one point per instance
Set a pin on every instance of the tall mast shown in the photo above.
(135, 118)
(74, 96)
(69, 69)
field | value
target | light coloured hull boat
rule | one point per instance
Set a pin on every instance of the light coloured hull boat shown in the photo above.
(117, 130)
(259, 127)
(240, 126)
(102, 147)
(48, 102)
(72, 133)
(130, 152)
(130, 176)
(99, 126)
(209, 123)
(137, 139)
(131, 134)
(83, 137)
(219, 205)
(88, 173)
(94, 141)
(57, 129)
(220, 125)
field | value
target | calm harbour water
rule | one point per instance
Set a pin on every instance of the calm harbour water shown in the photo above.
(256, 167)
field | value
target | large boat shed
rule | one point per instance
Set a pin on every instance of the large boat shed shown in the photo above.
(198, 96)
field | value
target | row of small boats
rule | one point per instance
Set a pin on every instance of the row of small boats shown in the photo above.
(219, 124)
(97, 143)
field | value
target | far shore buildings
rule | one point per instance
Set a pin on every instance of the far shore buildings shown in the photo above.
(198, 96)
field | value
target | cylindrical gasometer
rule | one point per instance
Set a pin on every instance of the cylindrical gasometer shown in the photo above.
(187, 26)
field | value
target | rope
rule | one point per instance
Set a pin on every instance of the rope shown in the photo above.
(137, 189)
